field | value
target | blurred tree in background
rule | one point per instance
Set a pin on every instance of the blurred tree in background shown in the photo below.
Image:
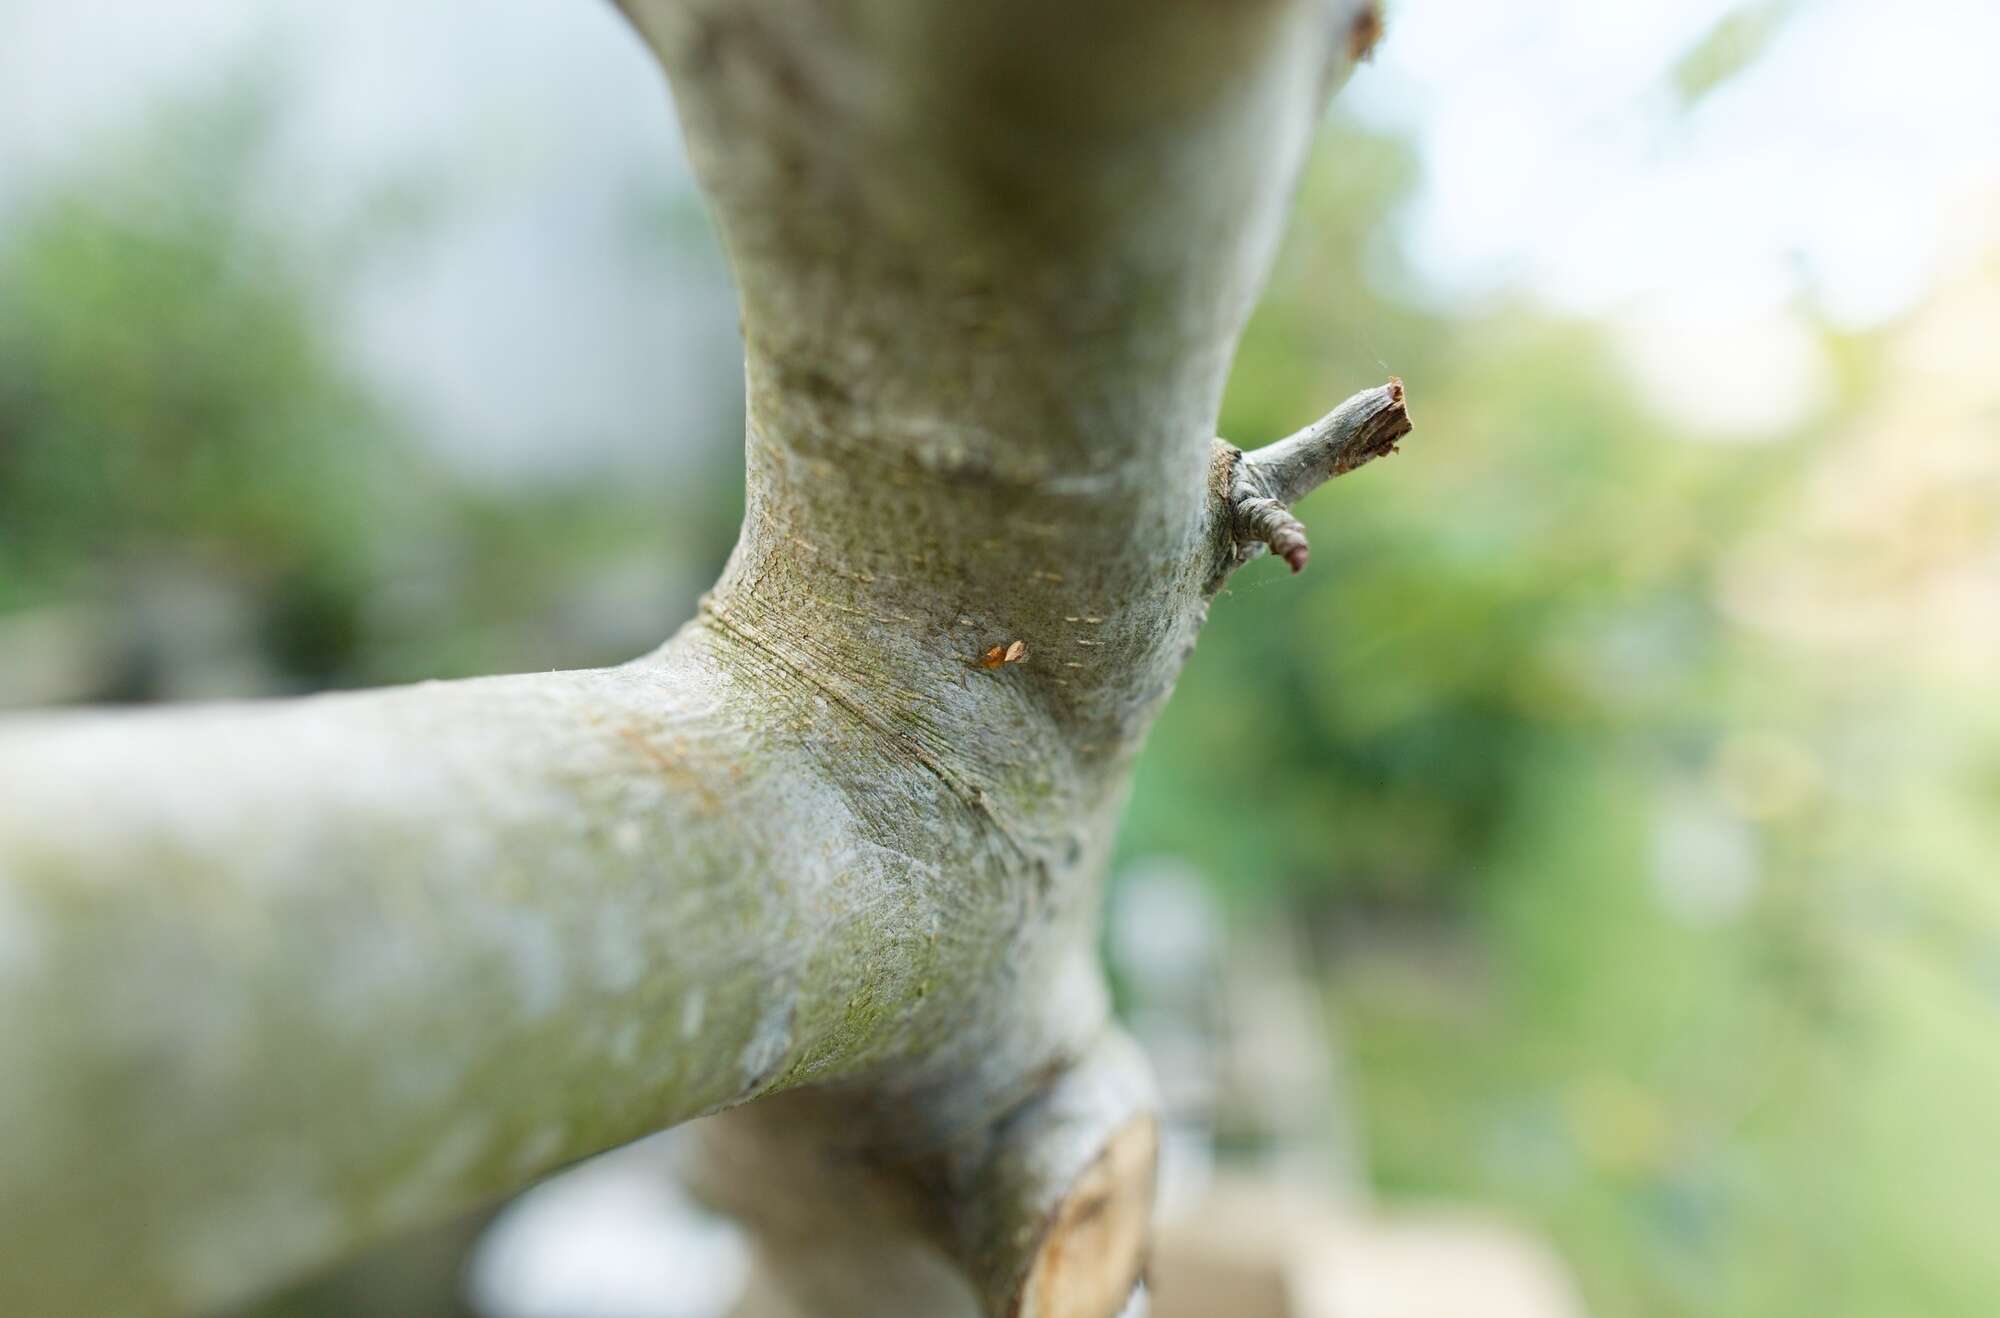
(172, 415)
(216, 498)
(1641, 812)
(1647, 827)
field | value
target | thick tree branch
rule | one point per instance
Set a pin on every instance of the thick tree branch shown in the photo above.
(278, 979)
(994, 259)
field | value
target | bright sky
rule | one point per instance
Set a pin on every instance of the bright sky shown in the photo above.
(1555, 156)
(540, 330)
(1843, 173)
(1848, 169)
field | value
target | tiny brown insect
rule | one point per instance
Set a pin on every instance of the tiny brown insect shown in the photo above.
(1013, 653)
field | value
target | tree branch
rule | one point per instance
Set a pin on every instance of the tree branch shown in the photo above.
(994, 258)
(281, 980)
(1043, 1213)
(1261, 486)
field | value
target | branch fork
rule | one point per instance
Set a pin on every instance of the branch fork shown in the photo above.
(993, 260)
(1262, 485)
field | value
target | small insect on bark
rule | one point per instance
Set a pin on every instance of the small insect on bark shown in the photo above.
(1015, 653)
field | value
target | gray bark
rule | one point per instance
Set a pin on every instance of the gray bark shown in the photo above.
(280, 980)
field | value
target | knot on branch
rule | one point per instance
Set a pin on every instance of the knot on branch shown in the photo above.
(1262, 485)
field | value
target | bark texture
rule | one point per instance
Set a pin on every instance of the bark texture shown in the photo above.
(279, 980)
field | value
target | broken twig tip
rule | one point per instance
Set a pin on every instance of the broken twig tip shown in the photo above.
(1364, 31)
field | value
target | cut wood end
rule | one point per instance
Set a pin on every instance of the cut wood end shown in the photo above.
(1364, 32)
(1377, 437)
(1094, 1250)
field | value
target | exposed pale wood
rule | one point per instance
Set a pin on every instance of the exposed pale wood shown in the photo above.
(1094, 1249)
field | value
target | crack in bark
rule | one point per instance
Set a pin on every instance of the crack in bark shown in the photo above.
(744, 634)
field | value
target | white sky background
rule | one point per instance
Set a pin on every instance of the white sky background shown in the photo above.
(1854, 164)
(1848, 169)
(535, 331)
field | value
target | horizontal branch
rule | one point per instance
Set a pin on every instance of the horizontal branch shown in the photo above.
(1360, 430)
(280, 980)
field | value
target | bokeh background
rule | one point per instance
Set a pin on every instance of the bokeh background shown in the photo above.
(1604, 831)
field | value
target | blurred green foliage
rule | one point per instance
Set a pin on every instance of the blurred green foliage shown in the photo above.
(182, 434)
(1732, 44)
(168, 394)
(1664, 936)
(1674, 939)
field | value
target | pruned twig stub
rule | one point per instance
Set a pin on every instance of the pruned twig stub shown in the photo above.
(1265, 483)
(1364, 30)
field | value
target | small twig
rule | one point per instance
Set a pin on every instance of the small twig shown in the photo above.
(1267, 481)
